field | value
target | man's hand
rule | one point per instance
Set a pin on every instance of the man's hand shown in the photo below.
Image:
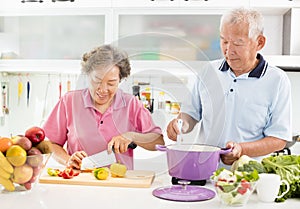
(232, 156)
(173, 131)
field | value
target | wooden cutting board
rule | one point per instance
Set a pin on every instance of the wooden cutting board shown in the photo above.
(133, 178)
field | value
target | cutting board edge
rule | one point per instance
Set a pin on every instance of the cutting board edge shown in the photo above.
(149, 178)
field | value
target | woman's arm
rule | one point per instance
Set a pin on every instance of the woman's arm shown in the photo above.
(60, 154)
(147, 141)
(62, 157)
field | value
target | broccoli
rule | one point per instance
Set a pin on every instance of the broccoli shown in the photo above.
(245, 163)
(251, 166)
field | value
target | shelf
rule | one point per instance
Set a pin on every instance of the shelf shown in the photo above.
(40, 66)
(286, 62)
(173, 67)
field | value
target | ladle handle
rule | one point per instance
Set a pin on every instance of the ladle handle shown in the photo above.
(161, 147)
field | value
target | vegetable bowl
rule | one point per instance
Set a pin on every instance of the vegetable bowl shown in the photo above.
(234, 188)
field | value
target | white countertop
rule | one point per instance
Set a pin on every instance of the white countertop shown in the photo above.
(52, 196)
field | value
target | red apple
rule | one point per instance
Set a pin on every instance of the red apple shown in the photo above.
(35, 134)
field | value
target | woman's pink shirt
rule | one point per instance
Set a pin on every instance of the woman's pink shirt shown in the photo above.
(75, 123)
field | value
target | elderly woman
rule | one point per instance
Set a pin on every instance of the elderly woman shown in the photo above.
(102, 116)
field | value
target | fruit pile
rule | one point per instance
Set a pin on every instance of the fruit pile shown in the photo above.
(22, 158)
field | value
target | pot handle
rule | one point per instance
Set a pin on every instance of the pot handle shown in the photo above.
(160, 147)
(225, 150)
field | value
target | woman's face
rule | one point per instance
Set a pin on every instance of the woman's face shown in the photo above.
(104, 84)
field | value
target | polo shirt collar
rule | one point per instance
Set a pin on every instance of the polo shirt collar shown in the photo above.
(257, 72)
(87, 99)
(118, 102)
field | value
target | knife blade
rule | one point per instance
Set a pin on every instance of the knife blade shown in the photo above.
(101, 159)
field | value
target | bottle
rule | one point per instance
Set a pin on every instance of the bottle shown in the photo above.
(136, 91)
(175, 107)
(168, 106)
(161, 100)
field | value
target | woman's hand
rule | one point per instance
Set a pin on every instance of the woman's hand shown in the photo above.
(232, 156)
(120, 144)
(75, 159)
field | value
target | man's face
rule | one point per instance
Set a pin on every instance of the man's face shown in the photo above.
(238, 49)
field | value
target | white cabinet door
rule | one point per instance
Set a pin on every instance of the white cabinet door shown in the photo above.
(272, 3)
(145, 3)
(50, 36)
(158, 36)
(19, 5)
(214, 3)
(272, 7)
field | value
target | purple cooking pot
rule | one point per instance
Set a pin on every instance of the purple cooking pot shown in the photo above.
(192, 161)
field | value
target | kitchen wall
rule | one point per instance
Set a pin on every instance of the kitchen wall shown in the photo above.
(44, 88)
(44, 93)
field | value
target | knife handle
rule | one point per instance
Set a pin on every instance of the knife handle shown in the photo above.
(132, 145)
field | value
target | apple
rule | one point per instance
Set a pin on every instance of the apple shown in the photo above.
(22, 174)
(35, 134)
(28, 185)
(22, 141)
(34, 157)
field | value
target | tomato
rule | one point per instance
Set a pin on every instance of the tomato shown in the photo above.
(242, 190)
(5, 143)
(245, 184)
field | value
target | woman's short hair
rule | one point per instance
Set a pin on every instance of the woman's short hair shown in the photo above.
(106, 56)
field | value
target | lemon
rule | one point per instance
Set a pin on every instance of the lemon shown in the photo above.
(101, 173)
(16, 155)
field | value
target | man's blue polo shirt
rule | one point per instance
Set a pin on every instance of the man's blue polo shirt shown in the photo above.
(244, 108)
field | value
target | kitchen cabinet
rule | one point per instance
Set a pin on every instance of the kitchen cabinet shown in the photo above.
(50, 36)
(173, 31)
(145, 3)
(291, 42)
(173, 36)
(214, 3)
(18, 5)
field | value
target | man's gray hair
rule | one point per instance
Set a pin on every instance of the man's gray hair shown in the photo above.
(252, 17)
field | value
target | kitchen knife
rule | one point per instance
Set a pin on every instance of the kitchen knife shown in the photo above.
(101, 159)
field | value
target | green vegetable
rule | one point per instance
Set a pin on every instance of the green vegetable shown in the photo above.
(251, 166)
(288, 167)
(245, 163)
(249, 176)
(53, 172)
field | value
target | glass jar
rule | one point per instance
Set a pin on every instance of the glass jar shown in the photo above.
(175, 107)
(168, 106)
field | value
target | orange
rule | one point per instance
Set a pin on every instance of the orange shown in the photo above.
(16, 155)
(5, 143)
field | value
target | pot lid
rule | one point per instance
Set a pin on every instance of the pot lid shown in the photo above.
(184, 193)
